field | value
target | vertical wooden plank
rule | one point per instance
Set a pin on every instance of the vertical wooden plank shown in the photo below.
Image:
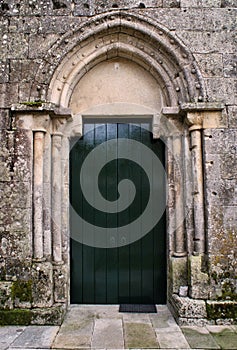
(147, 241)
(112, 220)
(123, 218)
(135, 212)
(100, 220)
(88, 258)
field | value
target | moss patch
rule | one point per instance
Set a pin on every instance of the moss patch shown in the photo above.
(15, 317)
(22, 290)
(223, 309)
(32, 103)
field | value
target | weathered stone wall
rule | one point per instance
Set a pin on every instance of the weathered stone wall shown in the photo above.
(28, 30)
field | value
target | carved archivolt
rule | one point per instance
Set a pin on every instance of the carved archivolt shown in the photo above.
(125, 35)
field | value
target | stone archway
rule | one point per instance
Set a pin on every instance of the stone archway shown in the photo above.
(182, 111)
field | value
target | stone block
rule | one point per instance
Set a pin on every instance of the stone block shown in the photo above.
(16, 220)
(218, 141)
(211, 3)
(188, 308)
(4, 123)
(17, 269)
(61, 7)
(232, 114)
(222, 273)
(54, 25)
(83, 8)
(8, 94)
(228, 165)
(23, 70)
(4, 71)
(211, 64)
(228, 3)
(22, 294)
(47, 7)
(39, 44)
(16, 194)
(198, 279)
(6, 300)
(171, 3)
(223, 90)
(207, 41)
(178, 273)
(21, 317)
(3, 46)
(18, 46)
(42, 286)
(60, 277)
(230, 65)
(2, 269)
(223, 191)
(48, 316)
(221, 309)
(105, 5)
(3, 24)
(19, 25)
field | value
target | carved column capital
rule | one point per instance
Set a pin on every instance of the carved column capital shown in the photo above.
(195, 120)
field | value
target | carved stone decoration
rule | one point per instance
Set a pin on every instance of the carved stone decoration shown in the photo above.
(134, 37)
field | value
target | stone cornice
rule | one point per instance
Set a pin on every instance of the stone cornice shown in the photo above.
(202, 106)
(41, 107)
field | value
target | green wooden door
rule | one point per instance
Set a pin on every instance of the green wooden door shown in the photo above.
(133, 273)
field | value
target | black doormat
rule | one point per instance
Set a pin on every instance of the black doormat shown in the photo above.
(138, 308)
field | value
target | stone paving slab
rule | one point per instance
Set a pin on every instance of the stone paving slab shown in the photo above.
(164, 323)
(76, 331)
(234, 327)
(108, 333)
(226, 340)
(139, 335)
(136, 318)
(175, 340)
(199, 337)
(36, 337)
(8, 335)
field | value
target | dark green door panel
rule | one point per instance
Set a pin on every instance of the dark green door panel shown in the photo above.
(133, 273)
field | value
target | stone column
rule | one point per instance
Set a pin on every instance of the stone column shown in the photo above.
(38, 193)
(180, 243)
(56, 197)
(172, 126)
(195, 119)
(171, 194)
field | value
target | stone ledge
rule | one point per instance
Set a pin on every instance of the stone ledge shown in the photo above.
(189, 311)
(187, 308)
(51, 108)
(24, 317)
(222, 310)
(202, 106)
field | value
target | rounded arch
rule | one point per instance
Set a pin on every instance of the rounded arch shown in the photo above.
(127, 36)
